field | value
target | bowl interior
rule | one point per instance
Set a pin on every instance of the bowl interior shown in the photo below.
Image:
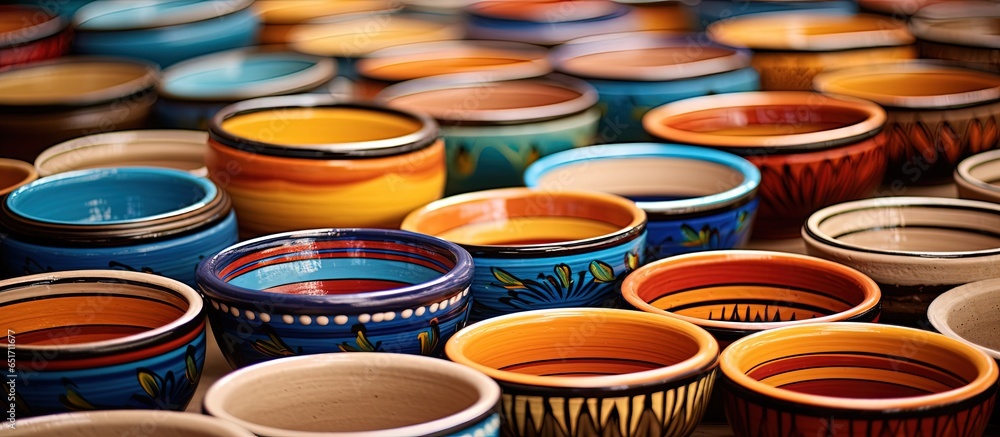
(810, 31)
(544, 11)
(224, 76)
(457, 58)
(454, 103)
(969, 313)
(13, 174)
(17, 18)
(59, 82)
(882, 84)
(124, 422)
(181, 150)
(321, 125)
(622, 63)
(987, 171)
(341, 39)
(767, 120)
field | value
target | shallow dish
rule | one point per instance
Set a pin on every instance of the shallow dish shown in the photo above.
(177, 149)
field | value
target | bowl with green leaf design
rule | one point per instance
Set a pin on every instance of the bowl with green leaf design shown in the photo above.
(539, 249)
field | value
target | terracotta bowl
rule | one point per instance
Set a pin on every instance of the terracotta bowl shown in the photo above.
(710, 11)
(915, 248)
(859, 379)
(303, 162)
(546, 23)
(177, 149)
(329, 290)
(378, 395)
(976, 177)
(593, 372)
(279, 17)
(963, 32)
(121, 423)
(102, 339)
(937, 114)
(661, 15)
(812, 150)
(14, 173)
(31, 33)
(539, 249)
(791, 48)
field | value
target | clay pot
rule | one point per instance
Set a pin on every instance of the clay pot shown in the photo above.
(14, 173)
(961, 32)
(29, 34)
(977, 175)
(545, 23)
(279, 17)
(177, 149)
(152, 424)
(661, 15)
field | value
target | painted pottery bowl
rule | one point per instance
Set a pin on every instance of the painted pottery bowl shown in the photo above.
(545, 23)
(191, 92)
(303, 162)
(791, 48)
(856, 379)
(123, 423)
(177, 149)
(610, 372)
(961, 32)
(101, 340)
(30, 33)
(280, 16)
(976, 177)
(378, 395)
(45, 103)
(661, 15)
(635, 72)
(493, 130)
(14, 173)
(330, 290)
(164, 33)
(915, 248)
(710, 11)
(695, 198)
(152, 220)
(537, 249)
(489, 60)
(812, 150)
(937, 114)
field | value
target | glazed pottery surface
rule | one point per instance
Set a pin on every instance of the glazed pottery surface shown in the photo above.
(30, 34)
(593, 372)
(122, 423)
(14, 173)
(710, 11)
(976, 177)
(106, 340)
(329, 290)
(539, 249)
(858, 379)
(177, 149)
(545, 22)
(695, 198)
(899, 8)
(960, 31)
(279, 17)
(966, 313)
(378, 395)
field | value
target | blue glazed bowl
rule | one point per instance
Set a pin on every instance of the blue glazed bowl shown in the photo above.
(637, 71)
(547, 22)
(336, 290)
(152, 220)
(101, 340)
(710, 11)
(164, 32)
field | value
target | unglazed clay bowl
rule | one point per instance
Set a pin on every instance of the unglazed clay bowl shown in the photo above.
(102, 339)
(976, 177)
(635, 72)
(937, 114)
(378, 395)
(791, 48)
(812, 150)
(14, 173)
(915, 248)
(537, 249)
(279, 17)
(164, 33)
(859, 379)
(960, 31)
(493, 130)
(695, 198)
(177, 149)
(710, 11)
(335, 290)
(31, 33)
(122, 423)
(303, 162)
(152, 220)
(546, 23)
(611, 372)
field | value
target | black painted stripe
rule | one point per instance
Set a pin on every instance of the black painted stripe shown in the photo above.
(94, 294)
(854, 380)
(762, 302)
(946, 228)
(758, 284)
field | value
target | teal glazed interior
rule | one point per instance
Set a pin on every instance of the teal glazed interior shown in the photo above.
(245, 74)
(224, 75)
(110, 15)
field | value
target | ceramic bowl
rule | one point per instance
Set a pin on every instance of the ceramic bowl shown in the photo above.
(961, 32)
(915, 248)
(593, 372)
(330, 290)
(545, 23)
(661, 15)
(151, 220)
(539, 249)
(102, 339)
(856, 379)
(493, 130)
(635, 72)
(123, 423)
(812, 150)
(710, 11)
(489, 60)
(977, 175)
(898, 8)
(302, 162)
(695, 198)
(193, 91)
(14, 173)
(164, 33)
(791, 48)
(378, 395)
(937, 114)
(30, 33)
(45, 103)
(177, 149)
(64, 8)
(279, 17)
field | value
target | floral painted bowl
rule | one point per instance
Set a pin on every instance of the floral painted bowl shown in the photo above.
(857, 379)
(812, 150)
(537, 249)
(915, 248)
(593, 372)
(14, 173)
(330, 290)
(30, 34)
(545, 23)
(493, 130)
(151, 220)
(976, 177)
(695, 198)
(710, 11)
(123, 423)
(102, 339)
(377, 395)
(963, 32)
(177, 149)
(279, 17)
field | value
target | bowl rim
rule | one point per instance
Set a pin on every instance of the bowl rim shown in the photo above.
(80, 145)
(319, 10)
(705, 358)
(885, 36)
(139, 85)
(195, 12)
(932, 30)
(963, 172)
(826, 82)
(34, 32)
(9, 163)
(533, 60)
(477, 9)
(300, 35)
(747, 188)
(939, 307)
(188, 421)
(632, 282)
(986, 366)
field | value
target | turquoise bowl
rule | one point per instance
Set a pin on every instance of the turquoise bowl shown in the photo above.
(710, 11)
